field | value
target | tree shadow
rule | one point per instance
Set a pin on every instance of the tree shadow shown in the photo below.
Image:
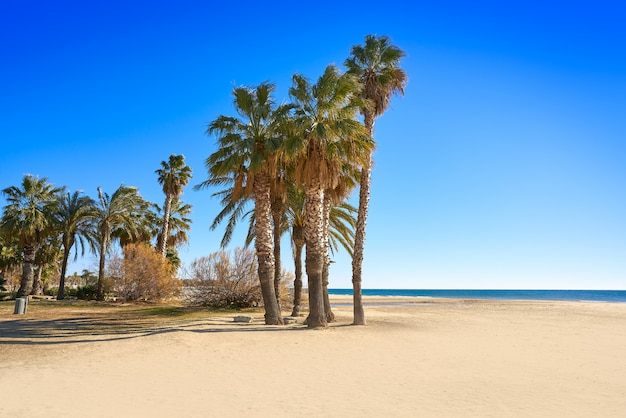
(77, 330)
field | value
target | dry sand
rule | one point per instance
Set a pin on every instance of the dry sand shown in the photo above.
(428, 358)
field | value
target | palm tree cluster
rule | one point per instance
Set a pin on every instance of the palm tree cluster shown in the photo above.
(298, 162)
(42, 223)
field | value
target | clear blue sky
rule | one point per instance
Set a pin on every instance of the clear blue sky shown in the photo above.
(503, 166)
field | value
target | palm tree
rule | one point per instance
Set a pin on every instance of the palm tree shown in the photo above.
(180, 224)
(278, 196)
(125, 210)
(377, 66)
(74, 216)
(9, 257)
(328, 136)
(147, 227)
(246, 147)
(47, 261)
(295, 213)
(173, 176)
(27, 218)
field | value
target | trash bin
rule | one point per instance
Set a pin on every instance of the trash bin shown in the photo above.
(20, 306)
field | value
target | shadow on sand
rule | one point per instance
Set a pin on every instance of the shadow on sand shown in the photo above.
(74, 330)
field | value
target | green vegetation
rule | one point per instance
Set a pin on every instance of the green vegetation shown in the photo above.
(295, 164)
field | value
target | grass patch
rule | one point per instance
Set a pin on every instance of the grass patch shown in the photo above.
(42, 309)
(72, 319)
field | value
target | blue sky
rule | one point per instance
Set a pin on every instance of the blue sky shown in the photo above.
(503, 166)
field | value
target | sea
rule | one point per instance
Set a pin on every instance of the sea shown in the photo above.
(566, 295)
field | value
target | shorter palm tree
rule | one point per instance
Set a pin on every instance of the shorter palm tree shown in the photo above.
(173, 176)
(47, 261)
(74, 215)
(124, 210)
(179, 226)
(179, 220)
(10, 257)
(27, 218)
(341, 222)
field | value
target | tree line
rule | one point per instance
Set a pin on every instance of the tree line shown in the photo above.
(42, 223)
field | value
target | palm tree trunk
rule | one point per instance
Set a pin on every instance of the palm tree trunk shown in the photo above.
(26, 285)
(330, 316)
(359, 244)
(264, 247)
(167, 209)
(37, 281)
(359, 235)
(66, 255)
(314, 235)
(100, 285)
(298, 240)
(276, 217)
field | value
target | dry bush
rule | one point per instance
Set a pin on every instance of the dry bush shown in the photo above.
(286, 289)
(142, 274)
(218, 280)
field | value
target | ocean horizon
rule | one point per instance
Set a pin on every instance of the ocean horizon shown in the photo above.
(497, 294)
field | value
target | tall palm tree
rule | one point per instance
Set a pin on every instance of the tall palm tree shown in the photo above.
(246, 146)
(377, 66)
(27, 217)
(328, 136)
(124, 210)
(173, 176)
(74, 215)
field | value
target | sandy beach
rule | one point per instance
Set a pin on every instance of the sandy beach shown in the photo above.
(415, 358)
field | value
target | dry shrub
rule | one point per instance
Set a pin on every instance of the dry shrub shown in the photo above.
(286, 289)
(220, 281)
(143, 274)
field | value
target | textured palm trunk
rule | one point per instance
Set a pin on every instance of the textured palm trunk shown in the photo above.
(330, 316)
(277, 213)
(167, 209)
(28, 273)
(359, 235)
(298, 240)
(314, 235)
(66, 256)
(264, 247)
(100, 285)
(37, 288)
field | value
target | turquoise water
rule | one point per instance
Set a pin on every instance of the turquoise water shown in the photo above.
(570, 295)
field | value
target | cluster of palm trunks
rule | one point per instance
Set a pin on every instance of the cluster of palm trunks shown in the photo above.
(298, 161)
